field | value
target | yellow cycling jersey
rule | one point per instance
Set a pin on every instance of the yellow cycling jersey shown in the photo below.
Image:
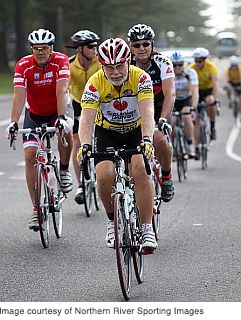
(205, 74)
(79, 76)
(117, 111)
(234, 74)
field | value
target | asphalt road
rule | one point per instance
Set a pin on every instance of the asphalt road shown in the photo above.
(198, 258)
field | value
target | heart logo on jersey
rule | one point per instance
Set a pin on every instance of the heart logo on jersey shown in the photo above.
(142, 78)
(92, 88)
(121, 106)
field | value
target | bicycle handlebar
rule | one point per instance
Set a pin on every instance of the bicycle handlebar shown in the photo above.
(35, 131)
(113, 154)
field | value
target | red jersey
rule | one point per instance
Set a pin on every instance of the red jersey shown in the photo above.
(40, 83)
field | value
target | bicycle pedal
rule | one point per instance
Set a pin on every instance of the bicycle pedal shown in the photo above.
(147, 251)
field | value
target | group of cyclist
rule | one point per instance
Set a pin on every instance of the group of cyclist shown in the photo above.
(119, 97)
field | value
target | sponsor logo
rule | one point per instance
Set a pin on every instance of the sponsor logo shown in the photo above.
(142, 78)
(169, 70)
(36, 76)
(126, 115)
(118, 105)
(49, 74)
(92, 88)
(128, 92)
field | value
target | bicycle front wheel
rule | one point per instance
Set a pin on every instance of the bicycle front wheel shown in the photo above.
(87, 192)
(42, 204)
(56, 199)
(137, 256)
(122, 245)
(204, 147)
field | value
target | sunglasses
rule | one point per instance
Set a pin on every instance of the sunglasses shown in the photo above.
(40, 49)
(91, 46)
(144, 44)
(199, 60)
(177, 65)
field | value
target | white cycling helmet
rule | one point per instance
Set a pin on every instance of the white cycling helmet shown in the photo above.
(41, 36)
(234, 61)
(200, 53)
(140, 32)
(84, 37)
(113, 51)
(176, 57)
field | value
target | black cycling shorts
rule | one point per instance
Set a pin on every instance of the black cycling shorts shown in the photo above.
(204, 93)
(32, 120)
(77, 111)
(179, 104)
(106, 138)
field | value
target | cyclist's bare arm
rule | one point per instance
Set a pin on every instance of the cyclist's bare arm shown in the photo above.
(195, 94)
(18, 103)
(86, 127)
(168, 89)
(62, 95)
(146, 108)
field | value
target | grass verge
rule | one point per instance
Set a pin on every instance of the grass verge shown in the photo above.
(6, 83)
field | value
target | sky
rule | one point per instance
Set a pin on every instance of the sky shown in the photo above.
(220, 17)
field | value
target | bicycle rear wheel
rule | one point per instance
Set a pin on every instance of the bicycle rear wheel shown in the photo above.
(122, 245)
(42, 204)
(235, 110)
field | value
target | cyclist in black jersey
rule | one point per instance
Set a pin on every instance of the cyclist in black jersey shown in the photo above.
(160, 69)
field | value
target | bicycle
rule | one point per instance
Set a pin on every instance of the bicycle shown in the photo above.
(127, 225)
(204, 133)
(179, 145)
(48, 195)
(156, 176)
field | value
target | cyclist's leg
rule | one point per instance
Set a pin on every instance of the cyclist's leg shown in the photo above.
(163, 153)
(212, 113)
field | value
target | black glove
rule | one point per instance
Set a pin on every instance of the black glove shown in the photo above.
(84, 151)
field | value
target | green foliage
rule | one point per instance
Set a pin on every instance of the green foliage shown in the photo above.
(106, 18)
(6, 83)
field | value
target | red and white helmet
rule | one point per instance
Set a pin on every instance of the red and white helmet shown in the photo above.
(113, 51)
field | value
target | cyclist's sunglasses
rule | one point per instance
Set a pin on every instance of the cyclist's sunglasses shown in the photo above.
(40, 49)
(91, 46)
(144, 44)
(177, 65)
(199, 60)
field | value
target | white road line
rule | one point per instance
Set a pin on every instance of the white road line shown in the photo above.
(2, 173)
(231, 141)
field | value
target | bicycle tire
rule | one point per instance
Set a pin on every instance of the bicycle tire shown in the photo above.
(122, 246)
(87, 195)
(56, 197)
(179, 156)
(42, 204)
(137, 256)
(204, 149)
(235, 110)
(157, 201)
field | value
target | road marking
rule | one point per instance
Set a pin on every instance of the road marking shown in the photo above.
(197, 224)
(231, 141)
(2, 173)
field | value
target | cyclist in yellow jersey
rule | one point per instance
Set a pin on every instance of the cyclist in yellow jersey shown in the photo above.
(208, 86)
(118, 102)
(233, 78)
(82, 65)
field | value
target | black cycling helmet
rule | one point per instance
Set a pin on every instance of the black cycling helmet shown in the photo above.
(140, 32)
(83, 37)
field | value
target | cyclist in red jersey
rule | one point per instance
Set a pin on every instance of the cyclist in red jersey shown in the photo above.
(41, 81)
